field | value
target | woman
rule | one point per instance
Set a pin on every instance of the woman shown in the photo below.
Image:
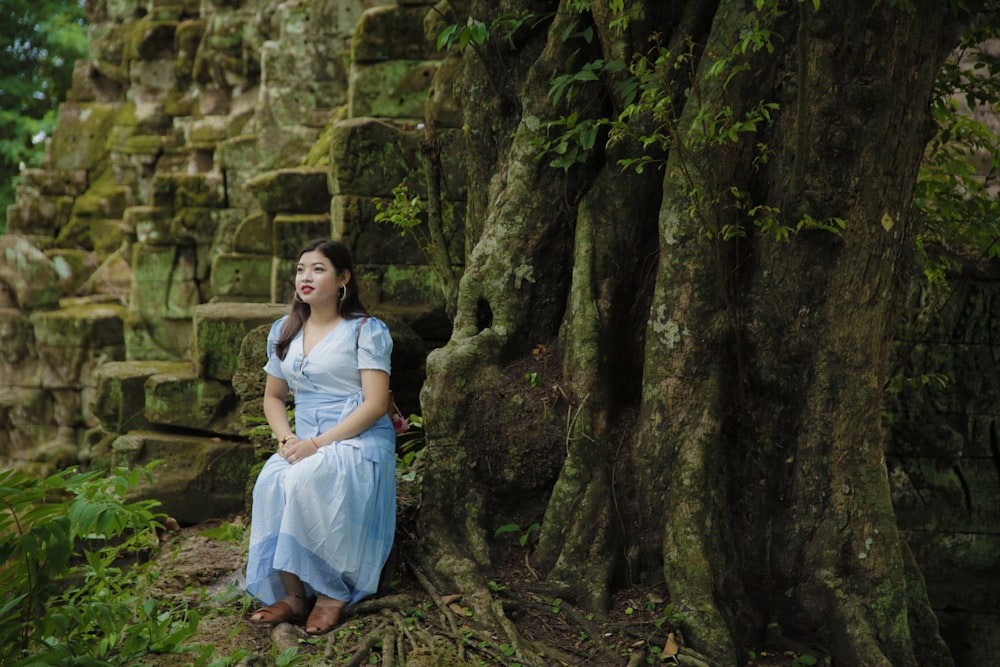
(324, 505)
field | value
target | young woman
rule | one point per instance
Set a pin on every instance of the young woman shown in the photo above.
(324, 505)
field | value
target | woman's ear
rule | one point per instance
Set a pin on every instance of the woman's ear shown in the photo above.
(347, 276)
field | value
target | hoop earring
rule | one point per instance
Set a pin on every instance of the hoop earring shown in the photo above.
(343, 296)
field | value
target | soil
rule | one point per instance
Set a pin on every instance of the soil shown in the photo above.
(202, 565)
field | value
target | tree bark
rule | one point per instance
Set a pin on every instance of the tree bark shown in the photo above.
(721, 428)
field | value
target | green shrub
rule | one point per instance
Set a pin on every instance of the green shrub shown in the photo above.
(72, 584)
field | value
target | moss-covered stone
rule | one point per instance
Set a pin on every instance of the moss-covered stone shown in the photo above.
(29, 275)
(151, 39)
(96, 449)
(219, 329)
(283, 279)
(74, 266)
(292, 232)
(442, 108)
(53, 182)
(191, 470)
(254, 235)
(240, 276)
(207, 132)
(37, 215)
(90, 225)
(239, 153)
(180, 190)
(187, 401)
(399, 284)
(119, 399)
(354, 222)
(249, 377)
(188, 34)
(179, 103)
(393, 32)
(157, 339)
(369, 158)
(391, 89)
(302, 190)
(143, 144)
(30, 417)
(80, 139)
(163, 282)
(72, 342)
(319, 153)
(18, 336)
(302, 83)
(150, 224)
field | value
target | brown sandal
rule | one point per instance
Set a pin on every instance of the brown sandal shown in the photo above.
(279, 612)
(323, 617)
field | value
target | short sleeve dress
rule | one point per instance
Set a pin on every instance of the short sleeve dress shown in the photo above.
(331, 518)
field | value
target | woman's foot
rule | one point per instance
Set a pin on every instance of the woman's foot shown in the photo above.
(289, 609)
(325, 614)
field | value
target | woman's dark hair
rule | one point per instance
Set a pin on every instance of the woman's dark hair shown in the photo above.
(349, 307)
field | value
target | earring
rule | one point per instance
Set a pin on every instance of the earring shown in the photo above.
(343, 295)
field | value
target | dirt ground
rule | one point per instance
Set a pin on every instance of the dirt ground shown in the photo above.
(202, 565)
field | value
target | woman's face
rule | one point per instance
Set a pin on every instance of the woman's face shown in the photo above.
(317, 280)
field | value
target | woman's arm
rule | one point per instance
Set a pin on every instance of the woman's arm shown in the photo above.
(275, 399)
(375, 388)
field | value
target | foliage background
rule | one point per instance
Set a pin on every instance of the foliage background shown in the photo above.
(41, 40)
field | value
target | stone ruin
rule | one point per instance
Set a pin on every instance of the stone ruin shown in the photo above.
(202, 144)
(204, 141)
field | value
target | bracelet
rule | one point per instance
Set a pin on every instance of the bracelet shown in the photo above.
(286, 438)
(315, 444)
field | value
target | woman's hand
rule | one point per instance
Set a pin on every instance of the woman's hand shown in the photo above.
(295, 450)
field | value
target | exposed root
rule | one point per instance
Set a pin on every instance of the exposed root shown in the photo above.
(484, 626)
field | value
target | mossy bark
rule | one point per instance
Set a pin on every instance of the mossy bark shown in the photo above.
(723, 428)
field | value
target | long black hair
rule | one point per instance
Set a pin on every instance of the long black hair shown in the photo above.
(349, 306)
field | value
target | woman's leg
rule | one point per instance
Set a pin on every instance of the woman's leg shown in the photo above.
(325, 615)
(291, 607)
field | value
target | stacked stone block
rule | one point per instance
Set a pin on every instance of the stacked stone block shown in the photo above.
(202, 144)
(943, 453)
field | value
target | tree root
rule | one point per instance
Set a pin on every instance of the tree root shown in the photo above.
(482, 626)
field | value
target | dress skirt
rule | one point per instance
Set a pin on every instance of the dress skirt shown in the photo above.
(330, 518)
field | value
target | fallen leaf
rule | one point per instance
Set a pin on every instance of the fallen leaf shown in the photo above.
(671, 648)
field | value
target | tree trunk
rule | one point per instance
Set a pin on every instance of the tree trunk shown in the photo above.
(714, 417)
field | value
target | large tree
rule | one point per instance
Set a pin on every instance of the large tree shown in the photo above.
(717, 312)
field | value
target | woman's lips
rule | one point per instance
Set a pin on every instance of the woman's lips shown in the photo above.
(306, 290)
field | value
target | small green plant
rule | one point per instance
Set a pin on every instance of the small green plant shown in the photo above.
(423, 218)
(410, 447)
(533, 378)
(670, 616)
(226, 532)
(514, 528)
(290, 657)
(556, 605)
(475, 33)
(804, 660)
(74, 587)
(404, 211)
(898, 382)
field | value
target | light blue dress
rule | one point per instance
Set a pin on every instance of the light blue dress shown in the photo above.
(331, 518)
